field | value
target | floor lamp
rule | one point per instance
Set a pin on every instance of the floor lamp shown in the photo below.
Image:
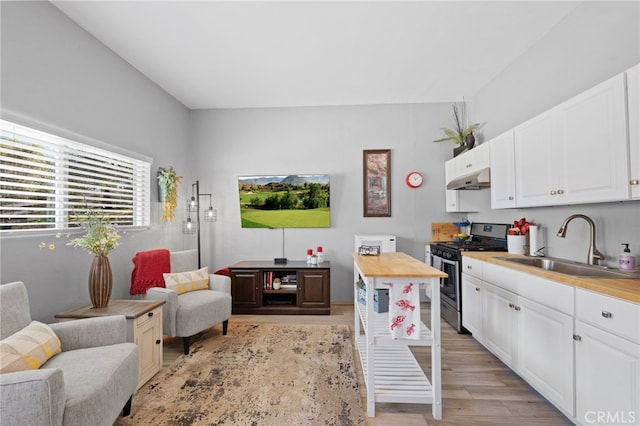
(193, 205)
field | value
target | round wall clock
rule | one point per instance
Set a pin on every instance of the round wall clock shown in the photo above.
(414, 179)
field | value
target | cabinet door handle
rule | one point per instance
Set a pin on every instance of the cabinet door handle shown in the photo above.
(607, 314)
(477, 289)
(150, 314)
(552, 192)
(517, 308)
(634, 182)
(560, 191)
(157, 341)
(510, 197)
(577, 337)
(511, 305)
(469, 267)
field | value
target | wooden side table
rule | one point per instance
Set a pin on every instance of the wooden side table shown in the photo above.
(144, 328)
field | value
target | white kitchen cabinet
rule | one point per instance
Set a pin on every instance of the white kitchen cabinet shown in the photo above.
(503, 173)
(499, 325)
(576, 152)
(452, 200)
(472, 296)
(545, 351)
(580, 349)
(633, 105)
(607, 346)
(527, 322)
(607, 377)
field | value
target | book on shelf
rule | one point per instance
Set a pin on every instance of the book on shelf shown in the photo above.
(268, 280)
(288, 286)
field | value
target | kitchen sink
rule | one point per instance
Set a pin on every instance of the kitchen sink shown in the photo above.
(569, 267)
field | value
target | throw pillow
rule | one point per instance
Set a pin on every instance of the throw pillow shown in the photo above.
(183, 282)
(28, 348)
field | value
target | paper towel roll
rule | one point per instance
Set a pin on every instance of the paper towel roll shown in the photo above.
(533, 240)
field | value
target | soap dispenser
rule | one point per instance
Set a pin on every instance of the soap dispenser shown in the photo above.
(626, 260)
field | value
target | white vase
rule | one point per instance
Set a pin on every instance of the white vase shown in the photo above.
(516, 244)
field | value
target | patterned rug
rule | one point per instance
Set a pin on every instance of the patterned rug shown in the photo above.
(267, 374)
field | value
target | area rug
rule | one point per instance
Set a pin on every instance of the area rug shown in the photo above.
(267, 374)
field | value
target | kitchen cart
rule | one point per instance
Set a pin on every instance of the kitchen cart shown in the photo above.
(391, 372)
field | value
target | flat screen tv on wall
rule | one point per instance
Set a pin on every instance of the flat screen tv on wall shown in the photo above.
(285, 201)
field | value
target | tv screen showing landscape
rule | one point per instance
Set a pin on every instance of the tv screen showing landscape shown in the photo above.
(285, 201)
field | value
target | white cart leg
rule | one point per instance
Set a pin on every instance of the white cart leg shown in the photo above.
(436, 377)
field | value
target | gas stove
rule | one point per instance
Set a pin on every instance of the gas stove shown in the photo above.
(447, 257)
(471, 245)
(484, 237)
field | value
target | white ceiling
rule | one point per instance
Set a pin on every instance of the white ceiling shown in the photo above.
(239, 54)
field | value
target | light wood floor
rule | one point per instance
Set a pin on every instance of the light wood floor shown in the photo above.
(477, 388)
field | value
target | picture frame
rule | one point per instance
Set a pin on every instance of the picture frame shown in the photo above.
(376, 168)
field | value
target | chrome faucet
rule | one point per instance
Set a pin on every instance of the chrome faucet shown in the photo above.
(594, 255)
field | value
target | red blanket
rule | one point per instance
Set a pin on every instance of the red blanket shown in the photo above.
(148, 267)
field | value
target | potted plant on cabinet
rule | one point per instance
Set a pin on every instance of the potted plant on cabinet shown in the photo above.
(462, 135)
(168, 181)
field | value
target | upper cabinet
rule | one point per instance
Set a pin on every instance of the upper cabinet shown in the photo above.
(574, 153)
(471, 161)
(633, 102)
(503, 183)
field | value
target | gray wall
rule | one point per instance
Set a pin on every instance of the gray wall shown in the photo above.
(55, 75)
(595, 42)
(231, 143)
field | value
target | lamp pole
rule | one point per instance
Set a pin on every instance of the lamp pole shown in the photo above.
(195, 203)
(198, 219)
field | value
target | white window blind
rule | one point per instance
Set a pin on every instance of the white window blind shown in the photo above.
(47, 182)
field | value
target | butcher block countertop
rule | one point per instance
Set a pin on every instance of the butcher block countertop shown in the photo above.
(623, 288)
(395, 264)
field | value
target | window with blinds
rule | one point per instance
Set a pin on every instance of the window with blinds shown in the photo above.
(49, 182)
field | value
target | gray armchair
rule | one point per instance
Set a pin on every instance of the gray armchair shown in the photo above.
(89, 383)
(189, 313)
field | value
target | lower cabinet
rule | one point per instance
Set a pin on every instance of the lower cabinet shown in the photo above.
(607, 378)
(607, 345)
(585, 361)
(545, 351)
(472, 296)
(533, 340)
(500, 323)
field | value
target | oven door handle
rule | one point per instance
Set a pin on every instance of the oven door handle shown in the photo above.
(450, 262)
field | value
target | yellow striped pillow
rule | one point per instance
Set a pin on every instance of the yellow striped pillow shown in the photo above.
(28, 348)
(183, 282)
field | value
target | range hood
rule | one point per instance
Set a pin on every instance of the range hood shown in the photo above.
(476, 180)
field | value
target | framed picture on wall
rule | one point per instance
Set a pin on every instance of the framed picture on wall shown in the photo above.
(376, 166)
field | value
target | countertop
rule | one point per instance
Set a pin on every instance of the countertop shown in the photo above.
(396, 264)
(623, 288)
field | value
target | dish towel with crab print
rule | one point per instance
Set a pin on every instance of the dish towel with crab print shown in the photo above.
(404, 311)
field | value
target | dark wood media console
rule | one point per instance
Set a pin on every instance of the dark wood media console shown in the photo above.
(305, 288)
